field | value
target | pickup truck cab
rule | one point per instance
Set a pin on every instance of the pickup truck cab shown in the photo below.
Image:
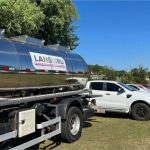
(113, 96)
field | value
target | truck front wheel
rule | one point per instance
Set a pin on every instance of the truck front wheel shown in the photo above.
(72, 126)
(140, 111)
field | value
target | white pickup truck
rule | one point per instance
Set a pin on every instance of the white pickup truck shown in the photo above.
(115, 96)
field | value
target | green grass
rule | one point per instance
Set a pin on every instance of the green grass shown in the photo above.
(112, 133)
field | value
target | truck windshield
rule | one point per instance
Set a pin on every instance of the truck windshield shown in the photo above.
(127, 87)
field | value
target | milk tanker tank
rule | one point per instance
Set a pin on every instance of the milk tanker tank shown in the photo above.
(26, 63)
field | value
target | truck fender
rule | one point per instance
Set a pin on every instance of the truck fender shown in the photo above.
(66, 103)
(138, 101)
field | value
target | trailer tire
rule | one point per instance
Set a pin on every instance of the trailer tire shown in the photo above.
(72, 126)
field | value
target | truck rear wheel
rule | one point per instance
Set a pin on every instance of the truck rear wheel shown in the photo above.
(72, 126)
(140, 111)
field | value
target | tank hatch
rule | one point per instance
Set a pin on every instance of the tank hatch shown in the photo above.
(29, 40)
(58, 47)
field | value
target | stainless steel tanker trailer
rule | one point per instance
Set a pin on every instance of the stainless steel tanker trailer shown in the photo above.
(41, 93)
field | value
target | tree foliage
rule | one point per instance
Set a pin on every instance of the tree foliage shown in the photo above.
(58, 24)
(136, 75)
(20, 17)
(51, 20)
(139, 74)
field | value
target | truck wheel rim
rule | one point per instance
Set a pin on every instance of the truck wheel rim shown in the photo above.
(141, 112)
(75, 124)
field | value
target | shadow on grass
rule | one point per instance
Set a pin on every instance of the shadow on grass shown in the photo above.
(114, 115)
(87, 124)
(48, 144)
(94, 120)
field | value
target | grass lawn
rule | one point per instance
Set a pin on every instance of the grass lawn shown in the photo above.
(112, 133)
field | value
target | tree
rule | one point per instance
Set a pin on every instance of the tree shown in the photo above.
(110, 73)
(20, 17)
(51, 20)
(96, 69)
(139, 74)
(136, 75)
(58, 26)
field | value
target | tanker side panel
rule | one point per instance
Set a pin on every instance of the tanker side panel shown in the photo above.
(36, 68)
(9, 65)
(24, 65)
(79, 68)
(59, 74)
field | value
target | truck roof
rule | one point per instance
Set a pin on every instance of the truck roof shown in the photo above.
(110, 81)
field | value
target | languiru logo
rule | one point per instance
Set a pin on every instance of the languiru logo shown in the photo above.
(46, 59)
(47, 62)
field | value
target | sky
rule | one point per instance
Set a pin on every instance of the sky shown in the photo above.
(114, 33)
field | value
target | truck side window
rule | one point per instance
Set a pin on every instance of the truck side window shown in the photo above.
(96, 85)
(112, 87)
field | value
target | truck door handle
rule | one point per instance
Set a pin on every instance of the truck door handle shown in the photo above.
(108, 94)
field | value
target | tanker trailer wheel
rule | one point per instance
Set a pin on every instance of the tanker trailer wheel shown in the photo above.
(72, 126)
(140, 111)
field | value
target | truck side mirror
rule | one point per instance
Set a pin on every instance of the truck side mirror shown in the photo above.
(120, 91)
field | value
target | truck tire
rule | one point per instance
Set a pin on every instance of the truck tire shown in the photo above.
(72, 126)
(140, 111)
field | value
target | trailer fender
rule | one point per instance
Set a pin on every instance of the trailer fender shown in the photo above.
(66, 103)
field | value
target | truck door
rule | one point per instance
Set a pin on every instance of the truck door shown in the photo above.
(98, 89)
(115, 98)
(109, 97)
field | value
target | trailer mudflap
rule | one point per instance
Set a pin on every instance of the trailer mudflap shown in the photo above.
(88, 113)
